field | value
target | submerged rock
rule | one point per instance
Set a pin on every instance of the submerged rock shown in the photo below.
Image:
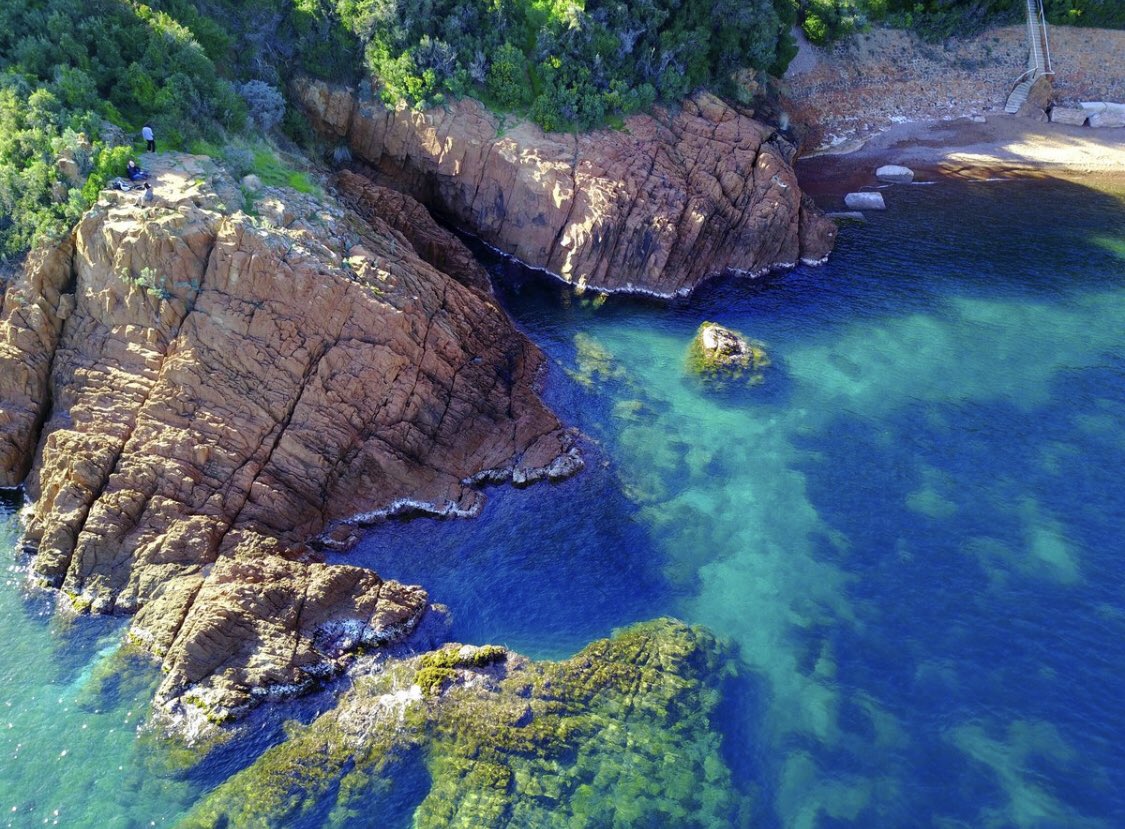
(719, 353)
(618, 735)
(846, 216)
(866, 200)
(193, 393)
(895, 174)
(678, 196)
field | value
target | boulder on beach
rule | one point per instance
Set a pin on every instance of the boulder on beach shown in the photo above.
(1075, 116)
(1103, 114)
(895, 174)
(867, 200)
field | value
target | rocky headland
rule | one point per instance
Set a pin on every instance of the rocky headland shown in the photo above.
(192, 389)
(656, 207)
(620, 734)
(200, 392)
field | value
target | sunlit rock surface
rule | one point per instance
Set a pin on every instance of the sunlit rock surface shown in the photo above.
(194, 391)
(657, 207)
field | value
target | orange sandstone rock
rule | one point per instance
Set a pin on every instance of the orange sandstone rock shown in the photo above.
(658, 207)
(215, 390)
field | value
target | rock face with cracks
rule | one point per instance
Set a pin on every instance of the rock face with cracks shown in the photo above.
(674, 198)
(190, 394)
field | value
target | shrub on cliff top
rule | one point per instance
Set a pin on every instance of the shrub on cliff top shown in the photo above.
(827, 20)
(70, 66)
(574, 64)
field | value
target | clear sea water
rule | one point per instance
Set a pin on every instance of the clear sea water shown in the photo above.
(912, 531)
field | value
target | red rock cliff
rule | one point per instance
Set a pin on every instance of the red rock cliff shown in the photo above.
(197, 392)
(657, 207)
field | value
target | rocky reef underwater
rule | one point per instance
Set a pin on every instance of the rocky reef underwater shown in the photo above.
(619, 735)
(203, 392)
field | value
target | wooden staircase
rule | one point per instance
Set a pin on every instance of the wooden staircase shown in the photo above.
(1038, 56)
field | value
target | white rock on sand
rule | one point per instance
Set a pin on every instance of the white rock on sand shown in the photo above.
(1068, 115)
(895, 174)
(1103, 114)
(865, 201)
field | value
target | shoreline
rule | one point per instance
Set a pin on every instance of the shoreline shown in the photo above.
(1003, 146)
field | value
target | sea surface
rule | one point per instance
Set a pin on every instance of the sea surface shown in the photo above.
(912, 531)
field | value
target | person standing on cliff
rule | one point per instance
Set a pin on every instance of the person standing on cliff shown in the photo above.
(150, 139)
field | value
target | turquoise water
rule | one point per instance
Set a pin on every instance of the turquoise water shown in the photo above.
(912, 531)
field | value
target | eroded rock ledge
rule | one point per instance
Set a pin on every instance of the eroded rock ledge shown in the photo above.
(191, 392)
(656, 208)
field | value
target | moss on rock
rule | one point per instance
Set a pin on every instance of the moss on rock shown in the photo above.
(618, 735)
(718, 353)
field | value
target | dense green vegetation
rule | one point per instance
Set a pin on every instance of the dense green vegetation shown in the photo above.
(70, 68)
(827, 20)
(566, 63)
(80, 76)
(78, 79)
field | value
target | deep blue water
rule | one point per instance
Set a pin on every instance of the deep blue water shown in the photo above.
(911, 531)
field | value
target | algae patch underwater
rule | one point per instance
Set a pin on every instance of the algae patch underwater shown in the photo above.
(621, 734)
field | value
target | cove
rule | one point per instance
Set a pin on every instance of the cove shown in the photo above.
(910, 531)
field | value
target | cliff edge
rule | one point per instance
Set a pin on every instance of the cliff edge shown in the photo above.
(657, 207)
(191, 391)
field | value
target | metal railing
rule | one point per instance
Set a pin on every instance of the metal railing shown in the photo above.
(1037, 38)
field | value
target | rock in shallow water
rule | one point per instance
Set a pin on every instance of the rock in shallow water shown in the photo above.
(866, 200)
(719, 353)
(895, 174)
(618, 735)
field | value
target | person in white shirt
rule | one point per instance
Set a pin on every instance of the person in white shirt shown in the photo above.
(147, 135)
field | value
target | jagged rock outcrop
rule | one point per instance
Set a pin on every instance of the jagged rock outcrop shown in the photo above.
(202, 391)
(720, 353)
(658, 207)
(620, 734)
(32, 309)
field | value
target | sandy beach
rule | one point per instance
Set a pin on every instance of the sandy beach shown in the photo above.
(885, 97)
(1001, 146)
